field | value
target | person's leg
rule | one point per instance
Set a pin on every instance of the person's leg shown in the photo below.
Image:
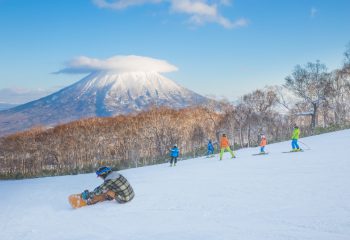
(99, 198)
(230, 151)
(175, 161)
(124, 199)
(171, 161)
(110, 195)
(293, 144)
(296, 144)
(222, 153)
(262, 149)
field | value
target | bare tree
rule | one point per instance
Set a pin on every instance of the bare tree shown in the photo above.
(346, 66)
(339, 100)
(253, 112)
(240, 117)
(311, 83)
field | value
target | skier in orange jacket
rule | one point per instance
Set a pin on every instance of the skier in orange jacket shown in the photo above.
(225, 145)
(263, 143)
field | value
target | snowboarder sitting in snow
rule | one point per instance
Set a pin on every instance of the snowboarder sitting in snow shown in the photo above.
(262, 144)
(115, 186)
(174, 153)
(210, 148)
(295, 137)
(225, 146)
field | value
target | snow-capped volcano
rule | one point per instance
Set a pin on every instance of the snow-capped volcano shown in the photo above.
(117, 93)
(102, 93)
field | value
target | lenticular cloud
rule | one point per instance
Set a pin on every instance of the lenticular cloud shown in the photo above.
(129, 63)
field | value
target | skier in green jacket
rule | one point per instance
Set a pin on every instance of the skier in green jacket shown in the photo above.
(295, 137)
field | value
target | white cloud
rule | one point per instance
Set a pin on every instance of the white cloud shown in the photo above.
(226, 2)
(313, 12)
(121, 4)
(194, 7)
(240, 23)
(130, 63)
(200, 12)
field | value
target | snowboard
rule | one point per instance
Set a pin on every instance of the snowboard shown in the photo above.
(258, 154)
(76, 201)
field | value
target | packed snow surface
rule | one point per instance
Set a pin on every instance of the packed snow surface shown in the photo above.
(302, 195)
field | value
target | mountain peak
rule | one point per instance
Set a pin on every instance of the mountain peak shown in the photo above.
(100, 94)
(129, 80)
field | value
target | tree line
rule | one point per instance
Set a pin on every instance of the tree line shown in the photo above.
(122, 142)
(312, 97)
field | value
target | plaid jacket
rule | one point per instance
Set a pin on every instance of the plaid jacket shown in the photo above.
(118, 184)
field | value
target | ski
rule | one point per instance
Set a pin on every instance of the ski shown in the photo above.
(293, 151)
(258, 154)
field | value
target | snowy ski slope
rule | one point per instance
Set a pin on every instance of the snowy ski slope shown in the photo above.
(277, 196)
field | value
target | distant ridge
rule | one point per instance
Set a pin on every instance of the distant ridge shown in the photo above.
(4, 106)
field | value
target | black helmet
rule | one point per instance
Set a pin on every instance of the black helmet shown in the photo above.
(103, 171)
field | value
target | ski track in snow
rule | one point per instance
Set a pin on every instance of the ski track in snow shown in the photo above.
(276, 196)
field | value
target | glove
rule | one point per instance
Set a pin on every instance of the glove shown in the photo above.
(85, 195)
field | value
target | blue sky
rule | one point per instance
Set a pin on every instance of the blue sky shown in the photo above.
(220, 47)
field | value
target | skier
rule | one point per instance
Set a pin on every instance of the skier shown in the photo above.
(262, 144)
(295, 137)
(174, 153)
(210, 148)
(114, 186)
(225, 145)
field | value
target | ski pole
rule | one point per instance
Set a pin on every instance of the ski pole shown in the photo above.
(308, 148)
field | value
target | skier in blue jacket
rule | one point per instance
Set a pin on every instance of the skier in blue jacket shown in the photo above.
(174, 153)
(210, 148)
